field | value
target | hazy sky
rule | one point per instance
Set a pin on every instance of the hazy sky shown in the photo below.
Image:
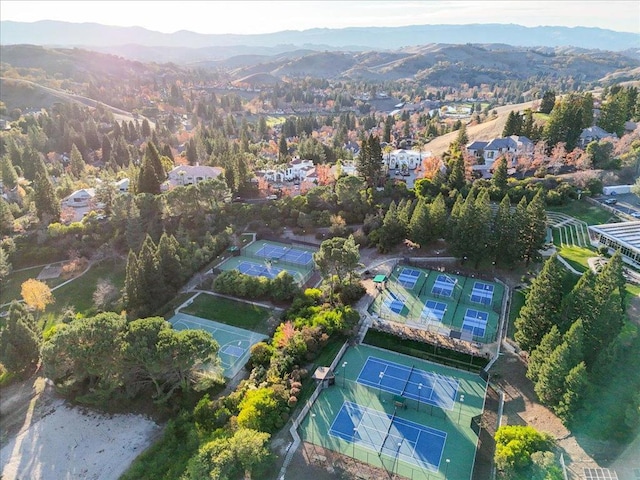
(272, 16)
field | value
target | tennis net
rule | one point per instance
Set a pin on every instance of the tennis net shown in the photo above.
(384, 440)
(404, 389)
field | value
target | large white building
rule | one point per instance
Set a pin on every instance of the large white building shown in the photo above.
(403, 159)
(191, 175)
(623, 236)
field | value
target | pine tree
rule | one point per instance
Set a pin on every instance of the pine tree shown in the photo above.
(283, 149)
(419, 227)
(499, 179)
(370, 161)
(548, 101)
(438, 216)
(542, 307)
(505, 234)
(131, 283)
(76, 164)
(47, 205)
(392, 231)
(550, 386)
(170, 264)
(580, 303)
(456, 176)
(106, 150)
(540, 355)
(19, 345)
(7, 172)
(6, 218)
(576, 384)
(513, 126)
(535, 231)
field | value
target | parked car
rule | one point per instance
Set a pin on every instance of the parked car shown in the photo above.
(635, 214)
(610, 201)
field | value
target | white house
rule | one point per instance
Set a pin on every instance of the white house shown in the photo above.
(402, 159)
(122, 185)
(191, 175)
(80, 198)
(297, 170)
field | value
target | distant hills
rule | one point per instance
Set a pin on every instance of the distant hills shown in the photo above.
(142, 44)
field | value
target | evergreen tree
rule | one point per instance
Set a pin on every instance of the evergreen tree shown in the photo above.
(47, 205)
(550, 386)
(438, 217)
(76, 164)
(106, 150)
(392, 231)
(535, 228)
(565, 122)
(548, 101)
(613, 113)
(513, 126)
(370, 161)
(6, 218)
(283, 149)
(131, 282)
(542, 307)
(386, 137)
(151, 172)
(540, 355)
(19, 344)
(8, 174)
(506, 234)
(169, 261)
(580, 303)
(456, 175)
(576, 384)
(32, 163)
(145, 129)
(419, 227)
(499, 179)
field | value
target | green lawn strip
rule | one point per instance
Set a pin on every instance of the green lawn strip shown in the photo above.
(230, 312)
(577, 256)
(424, 351)
(587, 212)
(633, 289)
(11, 289)
(78, 294)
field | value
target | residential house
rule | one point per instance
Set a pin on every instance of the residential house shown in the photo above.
(402, 159)
(122, 185)
(80, 198)
(487, 152)
(594, 134)
(191, 175)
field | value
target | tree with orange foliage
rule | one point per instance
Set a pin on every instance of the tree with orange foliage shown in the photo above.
(430, 167)
(36, 294)
(324, 174)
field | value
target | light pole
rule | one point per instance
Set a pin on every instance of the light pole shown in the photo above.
(460, 409)
(419, 395)
(380, 384)
(312, 426)
(344, 367)
(397, 456)
(446, 468)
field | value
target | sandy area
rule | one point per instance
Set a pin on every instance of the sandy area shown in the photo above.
(44, 438)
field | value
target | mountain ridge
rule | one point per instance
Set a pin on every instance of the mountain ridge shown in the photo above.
(85, 35)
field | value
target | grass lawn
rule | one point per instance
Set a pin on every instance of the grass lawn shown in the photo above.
(633, 289)
(11, 289)
(588, 213)
(230, 312)
(577, 256)
(79, 293)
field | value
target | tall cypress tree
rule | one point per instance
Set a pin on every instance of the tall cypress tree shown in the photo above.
(580, 303)
(8, 172)
(542, 307)
(505, 234)
(438, 216)
(576, 384)
(170, 264)
(540, 355)
(499, 179)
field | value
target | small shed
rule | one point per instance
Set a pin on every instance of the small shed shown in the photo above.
(380, 281)
(324, 375)
(234, 251)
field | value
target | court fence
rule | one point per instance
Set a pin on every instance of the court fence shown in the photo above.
(304, 412)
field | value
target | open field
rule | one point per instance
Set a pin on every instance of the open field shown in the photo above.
(588, 213)
(230, 312)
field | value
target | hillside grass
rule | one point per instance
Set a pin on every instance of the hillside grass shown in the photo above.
(11, 289)
(577, 256)
(230, 312)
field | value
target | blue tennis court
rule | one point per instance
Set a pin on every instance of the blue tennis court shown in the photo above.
(233, 350)
(389, 435)
(444, 285)
(409, 382)
(394, 302)
(408, 277)
(434, 310)
(475, 321)
(482, 293)
(293, 255)
(258, 270)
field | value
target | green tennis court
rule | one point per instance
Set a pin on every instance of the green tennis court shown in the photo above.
(396, 428)
(235, 343)
(449, 304)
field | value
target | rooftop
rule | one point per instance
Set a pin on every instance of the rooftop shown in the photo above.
(626, 234)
